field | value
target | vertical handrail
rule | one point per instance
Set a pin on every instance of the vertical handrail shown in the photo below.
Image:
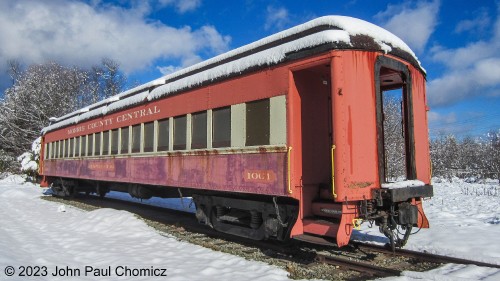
(288, 169)
(333, 171)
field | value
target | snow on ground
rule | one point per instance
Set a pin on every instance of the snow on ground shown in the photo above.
(37, 232)
(464, 223)
(464, 217)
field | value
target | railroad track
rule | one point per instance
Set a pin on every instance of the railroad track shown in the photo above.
(366, 259)
(421, 256)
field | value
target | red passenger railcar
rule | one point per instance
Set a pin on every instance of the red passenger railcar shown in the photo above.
(285, 137)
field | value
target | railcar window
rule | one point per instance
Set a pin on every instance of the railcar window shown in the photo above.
(114, 141)
(257, 122)
(163, 134)
(180, 123)
(73, 147)
(97, 143)
(50, 156)
(199, 130)
(68, 147)
(59, 148)
(90, 145)
(84, 145)
(124, 143)
(149, 131)
(64, 148)
(221, 128)
(48, 151)
(77, 147)
(105, 143)
(136, 138)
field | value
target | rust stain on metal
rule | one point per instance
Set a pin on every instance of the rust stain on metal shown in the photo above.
(357, 185)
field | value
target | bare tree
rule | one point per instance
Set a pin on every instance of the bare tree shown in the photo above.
(50, 90)
(104, 80)
(394, 140)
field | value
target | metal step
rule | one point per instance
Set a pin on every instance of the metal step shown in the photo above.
(320, 226)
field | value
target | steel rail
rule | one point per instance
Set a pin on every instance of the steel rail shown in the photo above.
(422, 256)
(362, 267)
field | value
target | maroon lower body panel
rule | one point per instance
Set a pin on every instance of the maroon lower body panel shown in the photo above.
(259, 173)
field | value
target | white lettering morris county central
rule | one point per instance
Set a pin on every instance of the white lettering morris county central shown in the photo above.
(138, 114)
(76, 130)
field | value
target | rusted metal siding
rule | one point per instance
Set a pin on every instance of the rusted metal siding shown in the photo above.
(260, 173)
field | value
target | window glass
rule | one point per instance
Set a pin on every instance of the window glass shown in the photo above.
(59, 148)
(105, 143)
(180, 132)
(149, 131)
(199, 130)
(221, 127)
(68, 147)
(77, 147)
(71, 152)
(64, 148)
(124, 143)
(163, 134)
(257, 122)
(136, 138)
(52, 150)
(90, 146)
(97, 143)
(114, 141)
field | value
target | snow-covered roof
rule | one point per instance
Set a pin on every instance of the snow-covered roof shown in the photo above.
(336, 32)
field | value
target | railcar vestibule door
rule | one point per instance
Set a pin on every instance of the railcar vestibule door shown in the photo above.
(313, 86)
(395, 130)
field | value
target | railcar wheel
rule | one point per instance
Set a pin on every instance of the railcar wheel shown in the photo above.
(62, 189)
(101, 190)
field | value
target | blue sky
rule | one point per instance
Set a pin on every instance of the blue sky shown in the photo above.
(457, 41)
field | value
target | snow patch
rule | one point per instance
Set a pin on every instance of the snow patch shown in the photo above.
(17, 179)
(403, 184)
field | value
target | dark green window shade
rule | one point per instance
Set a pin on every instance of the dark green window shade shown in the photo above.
(97, 144)
(124, 142)
(114, 141)
(71, 147)
(136, 138)
(221, 127)
(149, 131)
(163, 134)
(77, 147)
(180, 132)
(91, 144)
(199, 130)
(257, 123)
(105, 143)
(66, 154)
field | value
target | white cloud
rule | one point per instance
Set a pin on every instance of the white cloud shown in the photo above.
(182, 6)
(76, 33)
(436, 118)
(412, 23)
(168, 69)
(461, 84)
(478, 24)
(472, 70)
(276, 18)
